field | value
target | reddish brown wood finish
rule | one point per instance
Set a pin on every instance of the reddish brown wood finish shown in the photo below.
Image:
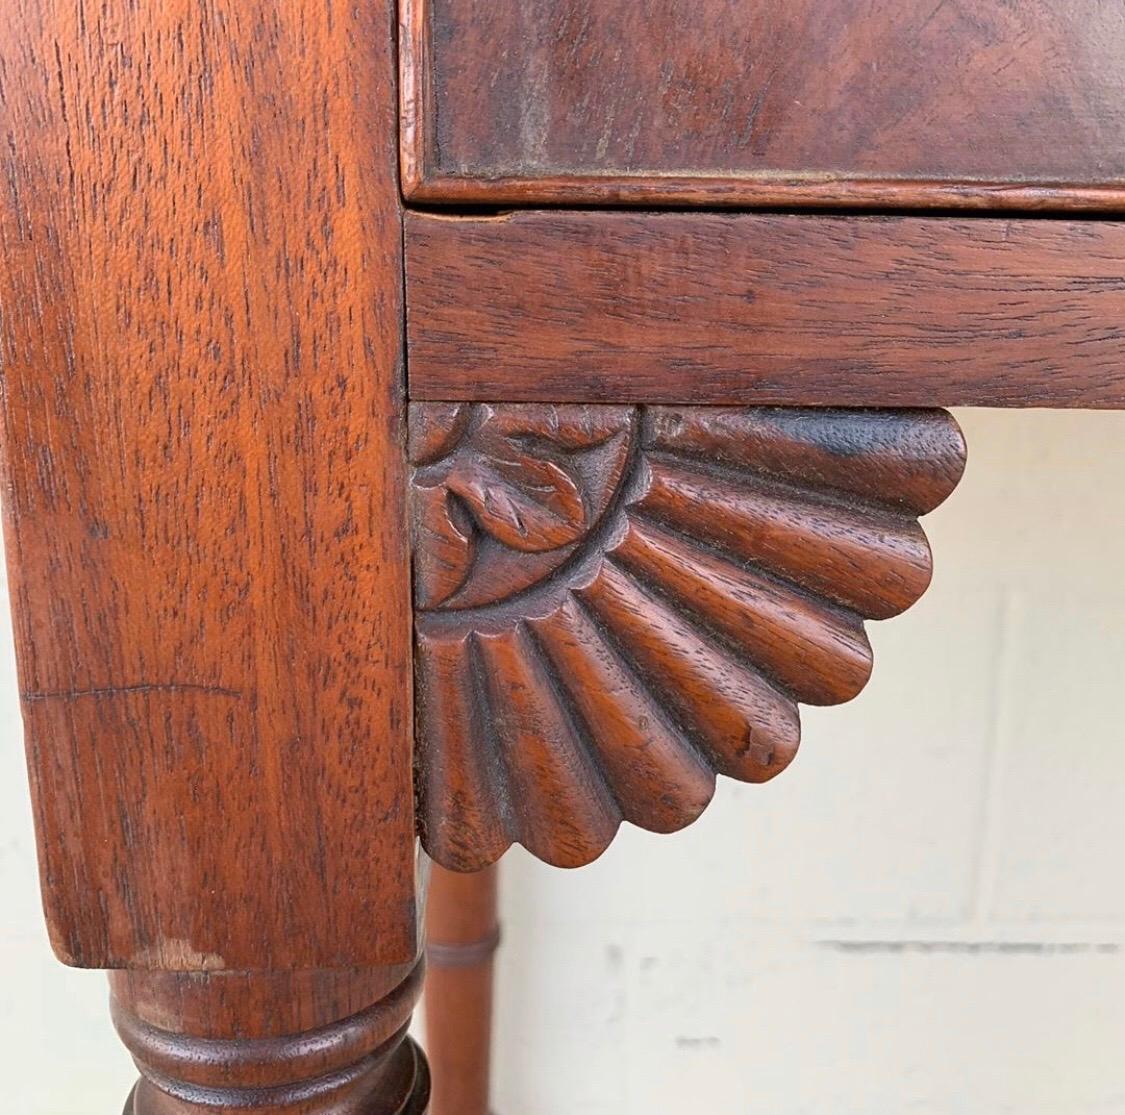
(205, 492)
(617, 604)
(206, 489)
(299, 1043)
(462, 935)
(903, 103)
(723, 308)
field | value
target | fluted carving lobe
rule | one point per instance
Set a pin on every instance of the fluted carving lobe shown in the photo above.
(615, 604)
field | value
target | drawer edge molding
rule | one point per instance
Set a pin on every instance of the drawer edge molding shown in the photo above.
(765, 190)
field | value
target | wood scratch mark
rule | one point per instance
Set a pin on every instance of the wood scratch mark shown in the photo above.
(123, 690)
(931, 17)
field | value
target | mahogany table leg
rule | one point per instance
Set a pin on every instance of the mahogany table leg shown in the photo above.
(286, 1043)
(463, 933)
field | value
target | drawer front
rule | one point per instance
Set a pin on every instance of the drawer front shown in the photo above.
(903, 102)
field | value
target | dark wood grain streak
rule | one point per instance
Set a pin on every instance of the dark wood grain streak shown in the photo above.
(888, 103)
(200, 274)
(724, 308)
(614, 605)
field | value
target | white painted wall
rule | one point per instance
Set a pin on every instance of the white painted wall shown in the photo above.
(925, 914)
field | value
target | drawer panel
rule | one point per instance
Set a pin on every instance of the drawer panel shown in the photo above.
(982, 103)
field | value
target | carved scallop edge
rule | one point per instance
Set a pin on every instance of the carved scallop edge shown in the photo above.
(727, 581)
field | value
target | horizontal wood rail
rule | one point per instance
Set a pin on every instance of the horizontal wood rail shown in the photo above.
(766, 308)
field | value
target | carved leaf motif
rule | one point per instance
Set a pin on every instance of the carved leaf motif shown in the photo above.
(708, 589)
(436, 429)
(443, 551)
(495, 482)
(524, 502)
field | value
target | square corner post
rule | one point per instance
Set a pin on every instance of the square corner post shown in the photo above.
(203, 399)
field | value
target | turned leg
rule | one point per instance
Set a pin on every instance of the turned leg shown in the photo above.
(463, 933)
(286, 1043)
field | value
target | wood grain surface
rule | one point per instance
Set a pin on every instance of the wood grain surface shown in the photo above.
(762, 308)
(205, 492)
(908, 103)
(617, 604)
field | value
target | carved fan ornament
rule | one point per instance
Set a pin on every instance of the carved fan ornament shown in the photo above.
(615, 604)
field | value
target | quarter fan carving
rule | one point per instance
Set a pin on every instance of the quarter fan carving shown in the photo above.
(615, 604)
